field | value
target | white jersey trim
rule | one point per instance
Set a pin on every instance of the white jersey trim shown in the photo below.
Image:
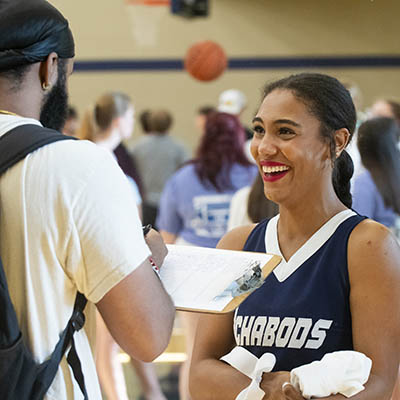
(316, 241)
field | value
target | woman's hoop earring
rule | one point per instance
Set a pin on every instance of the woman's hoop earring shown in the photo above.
(45, 86)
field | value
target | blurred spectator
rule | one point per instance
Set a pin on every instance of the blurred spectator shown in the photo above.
(195, 202)
(385, 108)
(127, 163)
(233, 101)
(376, 191)
(352, 148)
(144, 120)
(71, 124)
(201, 117)
(158, 156)
(194, 206)
(249, 205)
(110, 121)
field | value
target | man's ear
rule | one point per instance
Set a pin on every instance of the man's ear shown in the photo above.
(342, 137)
(48, 71)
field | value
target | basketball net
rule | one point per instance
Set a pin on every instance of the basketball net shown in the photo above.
(145, 17)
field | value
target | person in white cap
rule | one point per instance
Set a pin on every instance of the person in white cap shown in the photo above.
(233, 101)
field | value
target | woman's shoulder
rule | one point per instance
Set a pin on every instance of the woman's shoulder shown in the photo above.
(236, 238)
(372, 245)
(368, 232)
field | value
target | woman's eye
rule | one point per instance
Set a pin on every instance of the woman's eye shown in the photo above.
(258, 130)
(286, 132)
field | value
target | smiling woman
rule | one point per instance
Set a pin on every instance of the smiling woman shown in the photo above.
(327, 294)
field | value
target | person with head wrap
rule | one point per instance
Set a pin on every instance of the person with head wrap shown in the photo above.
(69, 221)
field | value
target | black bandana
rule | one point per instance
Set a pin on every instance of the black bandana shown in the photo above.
(29, 31)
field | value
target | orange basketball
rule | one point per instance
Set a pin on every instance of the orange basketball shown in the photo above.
(205, 60)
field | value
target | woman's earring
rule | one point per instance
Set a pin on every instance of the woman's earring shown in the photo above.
(45, 86)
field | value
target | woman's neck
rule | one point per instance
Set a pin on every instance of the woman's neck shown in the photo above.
(298, 223)
(295, 224)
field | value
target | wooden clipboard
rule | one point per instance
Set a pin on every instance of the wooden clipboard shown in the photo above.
(266, 270)
(181, 282)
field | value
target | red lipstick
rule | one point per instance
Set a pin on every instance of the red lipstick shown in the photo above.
(272, 176)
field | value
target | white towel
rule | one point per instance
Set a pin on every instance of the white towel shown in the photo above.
(248, 364)
(343, 372)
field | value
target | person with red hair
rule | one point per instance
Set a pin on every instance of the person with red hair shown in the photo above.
(194, 206)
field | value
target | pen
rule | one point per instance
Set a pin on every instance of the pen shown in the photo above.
(146, 230)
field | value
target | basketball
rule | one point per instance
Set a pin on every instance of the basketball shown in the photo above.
(205, 60)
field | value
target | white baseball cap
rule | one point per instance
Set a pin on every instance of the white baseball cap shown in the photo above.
(232, 101)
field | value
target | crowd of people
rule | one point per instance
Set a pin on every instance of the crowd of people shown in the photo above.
(73, 211)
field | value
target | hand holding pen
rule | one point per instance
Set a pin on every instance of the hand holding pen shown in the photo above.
(157, 247)
(146, 229)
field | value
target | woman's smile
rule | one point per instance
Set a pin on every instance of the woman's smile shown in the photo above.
(273, 171)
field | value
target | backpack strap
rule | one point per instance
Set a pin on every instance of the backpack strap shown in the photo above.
(49, 368)
(15, 145)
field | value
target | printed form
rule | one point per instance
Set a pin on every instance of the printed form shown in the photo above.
(213, 280)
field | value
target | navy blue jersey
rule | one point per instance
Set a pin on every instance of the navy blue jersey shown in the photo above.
(302, 311)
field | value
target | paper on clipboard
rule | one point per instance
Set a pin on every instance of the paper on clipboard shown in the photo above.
(200, 279)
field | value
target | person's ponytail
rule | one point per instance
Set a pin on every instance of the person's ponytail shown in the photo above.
(343, 170)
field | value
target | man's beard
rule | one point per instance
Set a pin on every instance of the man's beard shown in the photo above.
(53, 113)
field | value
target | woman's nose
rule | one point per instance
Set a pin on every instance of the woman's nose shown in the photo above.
(267, 146)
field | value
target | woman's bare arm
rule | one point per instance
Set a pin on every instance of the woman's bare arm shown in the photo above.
(210, 378)
(374, 271)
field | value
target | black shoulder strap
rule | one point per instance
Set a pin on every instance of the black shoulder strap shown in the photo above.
(15, 145)
(19, 142)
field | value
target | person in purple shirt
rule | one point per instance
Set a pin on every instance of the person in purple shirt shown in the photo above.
(376, 191)
(195, 202)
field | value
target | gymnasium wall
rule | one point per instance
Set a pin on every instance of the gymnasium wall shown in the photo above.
(339, 34)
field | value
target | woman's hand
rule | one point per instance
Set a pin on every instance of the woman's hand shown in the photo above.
(291, 393)
(272, 385)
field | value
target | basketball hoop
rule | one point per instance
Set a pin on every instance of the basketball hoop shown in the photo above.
(145, 17)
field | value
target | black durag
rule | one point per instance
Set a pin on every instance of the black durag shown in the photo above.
(29, 31)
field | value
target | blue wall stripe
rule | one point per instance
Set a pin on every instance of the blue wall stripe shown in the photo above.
(242, 63)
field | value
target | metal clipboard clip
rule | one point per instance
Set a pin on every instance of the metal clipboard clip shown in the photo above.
(250, 280)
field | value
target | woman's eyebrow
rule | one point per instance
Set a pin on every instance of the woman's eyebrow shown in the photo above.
(287, 121)
(257, 119)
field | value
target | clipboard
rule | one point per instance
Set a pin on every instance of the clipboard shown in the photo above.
(208, 280)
